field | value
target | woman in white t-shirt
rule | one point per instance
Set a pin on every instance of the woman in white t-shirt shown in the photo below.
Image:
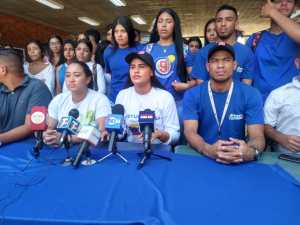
(92, 105)
(36, 67)
(83, 53)
(145, 92)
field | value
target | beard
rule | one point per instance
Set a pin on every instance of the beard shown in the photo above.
(225, 36)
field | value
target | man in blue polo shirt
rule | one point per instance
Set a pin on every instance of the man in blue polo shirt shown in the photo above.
(226, 27)
(217, 113)
(276, 48)
(18, 94)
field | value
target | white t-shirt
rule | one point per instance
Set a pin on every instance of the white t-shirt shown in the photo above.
(282, 110)
(158, 100)
(100, 78)
(92, 107)
(47, 75)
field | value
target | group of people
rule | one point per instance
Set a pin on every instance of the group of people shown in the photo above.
(226, 98)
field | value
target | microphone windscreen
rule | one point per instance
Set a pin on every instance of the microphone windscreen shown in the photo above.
(74, 113)
(118, 109)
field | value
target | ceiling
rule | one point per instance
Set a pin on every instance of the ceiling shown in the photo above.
(193, 13)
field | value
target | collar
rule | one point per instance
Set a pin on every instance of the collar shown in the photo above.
(296, 81)
(24, 83)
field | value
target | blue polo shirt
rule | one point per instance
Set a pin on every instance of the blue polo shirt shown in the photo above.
(274, 60)
(16, 104)
(116, 65)
(243, 56)
(245, 108)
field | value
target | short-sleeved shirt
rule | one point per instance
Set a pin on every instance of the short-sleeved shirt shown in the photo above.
(15, 105)
(116, 65)
(274, 61)
(166, 60)
(245, 108)
(47, 75)
(158, 100)
(282, 110)
(243, 56)
(95, 105)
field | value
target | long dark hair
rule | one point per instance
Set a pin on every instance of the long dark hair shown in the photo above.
(126, 22)
(39, 44)
(177, 38)
(212, 20)
(86, 70)
(51, 55)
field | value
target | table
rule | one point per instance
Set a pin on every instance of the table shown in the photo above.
(267, 157)
(188, 190)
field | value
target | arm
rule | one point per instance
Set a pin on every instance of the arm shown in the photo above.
(290, 142)
(17, 133)
(171, 129)
(290, 27)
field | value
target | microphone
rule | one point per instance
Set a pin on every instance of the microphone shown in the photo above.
(114, 125)
(146, 122)
(90, 136)
(68, 125)
(38, 125)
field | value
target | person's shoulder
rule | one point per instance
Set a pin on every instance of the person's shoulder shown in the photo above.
(198, 89)
(247, 90)
(126, 91)
(108, 50)
(161, 93)
(281, 91)
(241, 47)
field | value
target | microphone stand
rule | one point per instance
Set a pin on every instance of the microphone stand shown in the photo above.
(88, 160)
(148, 151)
(38, 144)
(66, 144)
(114, 150)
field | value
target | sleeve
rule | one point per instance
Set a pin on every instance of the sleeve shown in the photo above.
(103, 107)
(190, 105)
(106, 55)
(40, 95)
(50, 79)
(248, 71)
(199, 67)
(271, 109)
(53, 109)
(254, 108)
(100, 79)
(170, 120)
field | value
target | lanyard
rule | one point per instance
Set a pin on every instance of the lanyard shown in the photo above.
(212, 102)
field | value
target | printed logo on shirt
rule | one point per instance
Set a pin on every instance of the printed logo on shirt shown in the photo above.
(236, 116)
(239, 69)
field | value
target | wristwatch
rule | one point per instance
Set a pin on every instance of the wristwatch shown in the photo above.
(257, 153)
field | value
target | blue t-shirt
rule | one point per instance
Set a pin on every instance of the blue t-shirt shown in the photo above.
(190, 58)
(165, 59)
(116, 65)
(245, 108)
(243, 56)
(274, 59)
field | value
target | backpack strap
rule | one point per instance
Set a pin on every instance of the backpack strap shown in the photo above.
(95, 84)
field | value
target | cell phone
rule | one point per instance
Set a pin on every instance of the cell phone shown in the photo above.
(290, 157)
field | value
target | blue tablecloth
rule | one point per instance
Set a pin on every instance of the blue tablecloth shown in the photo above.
(186, 191)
